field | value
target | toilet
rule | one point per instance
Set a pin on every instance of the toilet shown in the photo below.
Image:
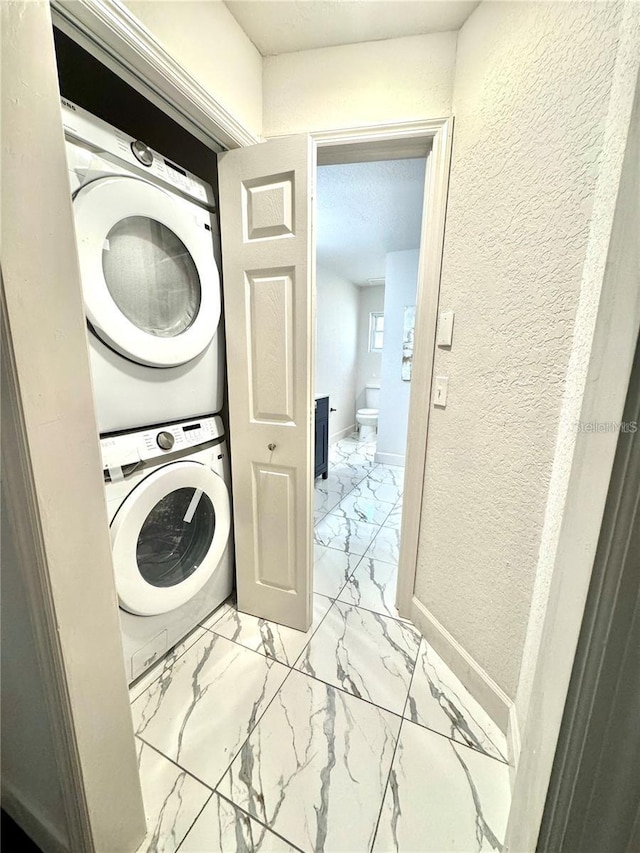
(367, 418)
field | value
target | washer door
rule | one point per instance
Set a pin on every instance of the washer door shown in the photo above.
(150, 282)
(168, 537)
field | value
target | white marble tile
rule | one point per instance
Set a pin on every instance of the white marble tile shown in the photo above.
(438, 700)
(386, 546)
(202, 711)
(363, 509)
(315, 768)
(160, 669)
(324, 502)
(386, 492)
(373, 585)
(394, 519)
(338, 482)
(442, 797)
(352, 454)
(364, 653)
(332, 569)
(393, 474)
(345, 534)
(172, 800)
(224, 828)
(270, 639)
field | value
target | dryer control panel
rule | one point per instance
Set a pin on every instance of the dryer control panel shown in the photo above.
(153, 442)
(106, 139)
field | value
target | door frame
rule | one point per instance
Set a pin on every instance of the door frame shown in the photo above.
(52, 469)
(397, 140)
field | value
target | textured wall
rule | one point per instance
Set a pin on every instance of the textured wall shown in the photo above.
(336, 346)
(530, 99)
(205, 38)
(357, 84)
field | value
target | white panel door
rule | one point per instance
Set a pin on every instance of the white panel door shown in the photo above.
(268, 265)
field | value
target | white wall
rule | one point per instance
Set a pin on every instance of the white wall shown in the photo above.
(531, 96)
(401, 282)
(358, 84)
(604, 343)
(30, 775)
(370, 300)
(205, 38)
(336, 348)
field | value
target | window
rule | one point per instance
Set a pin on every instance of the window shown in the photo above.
(376, 332)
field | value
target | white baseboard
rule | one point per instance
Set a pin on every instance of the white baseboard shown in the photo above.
(29, 818)
(343, 433)
(390, 459)
(481, 686)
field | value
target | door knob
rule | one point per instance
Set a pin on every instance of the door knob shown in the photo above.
(271, 446)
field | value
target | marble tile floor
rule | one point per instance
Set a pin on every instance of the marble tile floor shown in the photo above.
(354, 736)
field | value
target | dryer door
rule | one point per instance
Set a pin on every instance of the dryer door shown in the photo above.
(150, 282)
(168, 537)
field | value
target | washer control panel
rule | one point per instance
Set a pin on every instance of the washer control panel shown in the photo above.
(155, 442)
(167, 439)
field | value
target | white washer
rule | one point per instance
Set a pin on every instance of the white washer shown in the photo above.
(145, 234)
(169, 509)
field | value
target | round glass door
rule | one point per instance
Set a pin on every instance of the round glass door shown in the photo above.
(168, 537)
(151, 276)
(175, 537)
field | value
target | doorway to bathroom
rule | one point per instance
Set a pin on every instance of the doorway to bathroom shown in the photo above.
(369, 227)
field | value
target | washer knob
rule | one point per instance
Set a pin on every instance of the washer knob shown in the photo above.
(165, 440)
(142, 152)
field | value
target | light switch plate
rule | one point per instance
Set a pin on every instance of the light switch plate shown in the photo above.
(445, 329)
(440, 391)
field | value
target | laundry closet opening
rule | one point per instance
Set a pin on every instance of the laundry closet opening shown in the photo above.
(369, 227)
(145, 208)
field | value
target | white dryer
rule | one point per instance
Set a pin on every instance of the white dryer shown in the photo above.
(145, 234)
(169, 509)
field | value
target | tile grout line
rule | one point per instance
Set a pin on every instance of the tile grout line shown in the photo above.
(285, 679)
(175, 763)
(258, 821)
(251, 731)
(292, 666)
(195, 820)
(167, 654)
(395, 748)
(435, 731)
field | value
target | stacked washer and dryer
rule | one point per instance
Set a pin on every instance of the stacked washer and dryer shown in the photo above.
(151, 287)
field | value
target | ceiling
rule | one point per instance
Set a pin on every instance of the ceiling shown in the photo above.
(283, 26)
(365, 210)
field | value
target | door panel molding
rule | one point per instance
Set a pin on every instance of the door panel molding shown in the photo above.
(268, 262)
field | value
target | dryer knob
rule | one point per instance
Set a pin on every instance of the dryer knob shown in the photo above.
(165, 440)
(142, 152)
